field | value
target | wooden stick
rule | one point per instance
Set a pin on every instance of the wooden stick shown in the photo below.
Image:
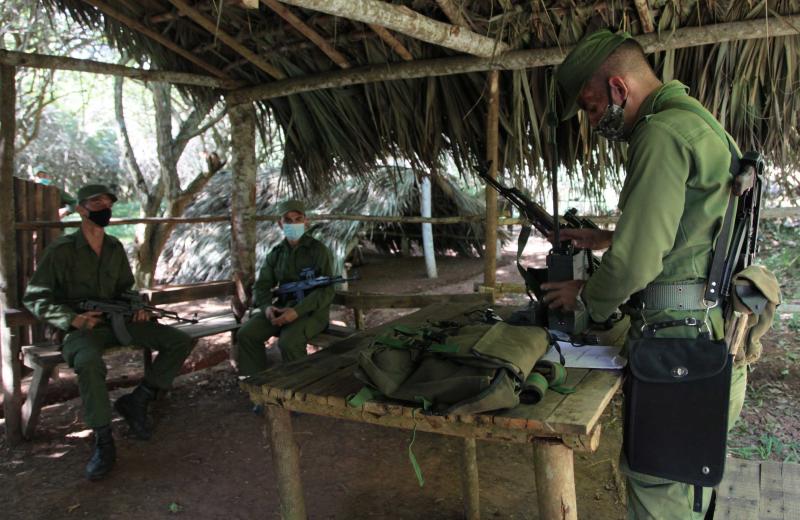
(153, 35)
(490, 227)
(403, 20)
(209, 25)
(514, 60)
(453, 12)
(391, 41)
(46, 61)
(12, 395)
(286, 461)
(555, 480)
(470, 489)
(284, 12)
(645, 16)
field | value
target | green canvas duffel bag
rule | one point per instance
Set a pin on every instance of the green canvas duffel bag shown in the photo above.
(452, 368)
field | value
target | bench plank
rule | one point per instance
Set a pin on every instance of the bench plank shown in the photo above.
(791, 490)
(771, 501)
(738, 493)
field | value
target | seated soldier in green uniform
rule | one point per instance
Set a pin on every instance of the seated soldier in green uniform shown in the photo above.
(672, 204)
(293, 321)
(90, 264)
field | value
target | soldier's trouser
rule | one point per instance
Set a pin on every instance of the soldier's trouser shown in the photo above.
(292, 339)
(654, 498)
(83, 351)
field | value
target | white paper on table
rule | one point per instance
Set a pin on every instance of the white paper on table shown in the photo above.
(587, 356)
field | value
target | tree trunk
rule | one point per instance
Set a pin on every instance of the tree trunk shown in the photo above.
(243, 204)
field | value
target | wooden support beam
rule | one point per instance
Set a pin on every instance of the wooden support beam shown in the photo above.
(9, 353)
(391, 41)
(452, 12)
(210, 25)
(492, 136)
(403, 20)
(137, 26)
(645, 16)
(301, 27)
(515, 60)
(46, 61)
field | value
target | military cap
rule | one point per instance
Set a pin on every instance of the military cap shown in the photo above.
(93, 190)
(291, 205)
(580, 65)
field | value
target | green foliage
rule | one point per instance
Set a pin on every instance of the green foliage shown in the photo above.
(780, 252)
(769, 447)
(126, 232)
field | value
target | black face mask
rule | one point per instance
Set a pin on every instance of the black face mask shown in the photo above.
(101, 217)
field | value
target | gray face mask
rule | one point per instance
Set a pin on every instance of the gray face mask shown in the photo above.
(612, 124)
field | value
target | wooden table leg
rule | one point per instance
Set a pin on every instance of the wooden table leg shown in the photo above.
(469, 480)
(555, 480)
(286, 462)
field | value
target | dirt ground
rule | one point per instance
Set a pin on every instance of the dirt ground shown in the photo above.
(209, 458)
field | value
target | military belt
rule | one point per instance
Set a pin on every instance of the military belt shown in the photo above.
(687, 296)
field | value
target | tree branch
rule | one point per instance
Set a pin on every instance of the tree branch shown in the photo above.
(128, 155)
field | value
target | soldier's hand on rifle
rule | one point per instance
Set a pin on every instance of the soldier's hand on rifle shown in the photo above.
(269, 313)
(284, 316)
(87, 320)
(563, 295)
(142, 315)
(586, 238)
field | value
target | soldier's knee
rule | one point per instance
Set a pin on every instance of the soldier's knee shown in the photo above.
(89, 361)
(253, 333)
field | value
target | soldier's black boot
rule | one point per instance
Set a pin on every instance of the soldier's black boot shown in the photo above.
(104, 454)
(133, 408)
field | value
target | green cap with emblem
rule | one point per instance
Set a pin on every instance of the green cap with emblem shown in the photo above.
(580, 65)
(93, 190)
(291, 205)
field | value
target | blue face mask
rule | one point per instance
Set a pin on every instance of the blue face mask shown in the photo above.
(293, 231)
(46, 182)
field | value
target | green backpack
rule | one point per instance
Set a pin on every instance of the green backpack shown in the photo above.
(452, 368)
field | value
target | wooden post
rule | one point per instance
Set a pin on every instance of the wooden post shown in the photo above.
(9, 347)
(555, 480)
(426, 203)
(490, 228)
(243, 205)
(470, 490)
(286, 462)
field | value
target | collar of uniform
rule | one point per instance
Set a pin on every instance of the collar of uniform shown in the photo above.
(305, 239)
(80, 239)
(650, 105)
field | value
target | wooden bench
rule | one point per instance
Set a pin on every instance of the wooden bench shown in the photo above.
(43, 358)
(321, 384)
(759, 490)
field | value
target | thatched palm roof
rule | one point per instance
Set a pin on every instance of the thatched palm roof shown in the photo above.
(201, 252)
(347, 130)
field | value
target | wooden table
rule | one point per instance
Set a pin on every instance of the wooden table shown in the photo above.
(320, 385)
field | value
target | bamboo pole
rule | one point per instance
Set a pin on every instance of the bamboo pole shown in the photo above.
(301, 27)
(137, 26)
(515, 60)
(9, 353)
(645, 16)
(243, 204)
(46, 61)
(210, 25)
(470, 488)
(390, 40)
(286, 461)
(403, 20)
(555, 479)
(490, 228)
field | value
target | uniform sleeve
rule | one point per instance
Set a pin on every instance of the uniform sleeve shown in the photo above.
(652, 204)
(320, 297)
(40, 295)
(262, 290)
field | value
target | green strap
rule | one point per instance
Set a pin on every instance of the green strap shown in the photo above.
(537, 383)
(556, 375)
(443, 347)
(366, 393)
(411, 457)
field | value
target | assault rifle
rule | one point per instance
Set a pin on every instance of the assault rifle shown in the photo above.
(121, 311)
(564, 262)
(307, 283)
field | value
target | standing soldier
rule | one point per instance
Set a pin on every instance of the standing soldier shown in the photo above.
(293, 321)
(89, 264)
(672, 204)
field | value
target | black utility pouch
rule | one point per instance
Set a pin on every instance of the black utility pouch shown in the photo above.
(676, 415)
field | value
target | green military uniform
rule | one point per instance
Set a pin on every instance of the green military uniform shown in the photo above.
(283, 264)
(70, 271)
(672, 204)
